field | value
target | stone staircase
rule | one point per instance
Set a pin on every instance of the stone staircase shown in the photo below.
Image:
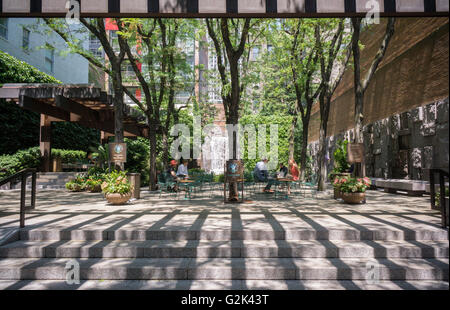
(299, 259)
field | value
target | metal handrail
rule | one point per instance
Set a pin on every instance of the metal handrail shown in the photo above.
(23, 175)
(442, 174)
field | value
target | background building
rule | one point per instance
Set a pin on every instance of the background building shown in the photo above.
(24, 39)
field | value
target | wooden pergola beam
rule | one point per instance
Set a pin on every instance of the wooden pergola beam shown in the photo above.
(34, 105)
(71, 106)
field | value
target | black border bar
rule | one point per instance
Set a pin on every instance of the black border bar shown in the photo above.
(192, 6)
(310, 6)
(390, 6)
(429, 6)
(153, 6)
(35, 6)
(350, 6)
(271, 6)
(1, 6)
(113, 6)
(232, 6)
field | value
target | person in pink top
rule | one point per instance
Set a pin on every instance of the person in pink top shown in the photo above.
(293, 170)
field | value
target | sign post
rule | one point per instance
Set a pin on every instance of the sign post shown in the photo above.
(118, 153)
(355, 155)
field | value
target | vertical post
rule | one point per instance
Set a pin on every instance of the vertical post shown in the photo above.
(33, 190)
(23, 188)
(442, 199)
(45, 142)
(432, 190)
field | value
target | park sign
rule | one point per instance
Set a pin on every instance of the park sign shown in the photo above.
(234, 170)
(118, 152)
(221, 8)
(355, 153)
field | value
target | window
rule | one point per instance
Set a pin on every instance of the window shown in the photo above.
(95, 46)
(114, 40)
(4, 28)
(26, 39)
(49, 58)
(255, 52)
(269, 48)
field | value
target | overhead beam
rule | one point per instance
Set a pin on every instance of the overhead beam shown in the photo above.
(32, 104)
(71, 106)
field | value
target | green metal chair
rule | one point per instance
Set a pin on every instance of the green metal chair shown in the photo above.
(312, 185)
(165, 185)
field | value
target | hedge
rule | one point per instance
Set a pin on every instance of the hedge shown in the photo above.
(31, 158)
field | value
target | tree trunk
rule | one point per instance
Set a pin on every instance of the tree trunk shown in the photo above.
(165, 146)
(322, 161)
(304, 148)
(292, 137)
(118, 103)
(153, 151)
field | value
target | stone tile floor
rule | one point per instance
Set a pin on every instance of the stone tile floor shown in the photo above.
(62, 210)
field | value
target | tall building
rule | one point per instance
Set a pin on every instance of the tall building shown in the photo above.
(24, 39)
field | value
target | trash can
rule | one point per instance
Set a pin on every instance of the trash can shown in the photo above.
(135, 180)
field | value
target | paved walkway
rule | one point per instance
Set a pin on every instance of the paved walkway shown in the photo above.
(61, 210)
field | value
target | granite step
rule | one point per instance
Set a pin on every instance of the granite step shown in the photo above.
(228, 234)
(223, 249)
(227, 269)
(222, 285)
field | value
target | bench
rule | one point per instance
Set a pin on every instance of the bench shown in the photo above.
(412, 187)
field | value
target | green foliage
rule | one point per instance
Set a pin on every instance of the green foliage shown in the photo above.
(116, 182)
(138, 152)
(13, 70)
(76, 185)
(31, 158)
(69, 156)
(11, 164)
(340, 157)
(284, 125)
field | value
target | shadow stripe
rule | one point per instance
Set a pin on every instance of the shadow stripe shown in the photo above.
(232, 6)
(390, 6)
(153, 6)
(350, 6)
(429, 6)
(113, 6)
(36, 6)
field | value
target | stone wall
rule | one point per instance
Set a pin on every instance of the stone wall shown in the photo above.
(402, 145)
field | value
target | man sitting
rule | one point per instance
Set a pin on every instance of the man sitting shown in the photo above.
(260, 172)
(182, 171)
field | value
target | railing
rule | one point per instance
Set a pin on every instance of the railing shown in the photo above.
(22, 176)
(442, 175)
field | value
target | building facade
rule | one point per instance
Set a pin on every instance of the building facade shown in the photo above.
(25, 39)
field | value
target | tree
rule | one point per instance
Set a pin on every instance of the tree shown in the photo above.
(164, 63)
(113, 67)
(333, 58)
(229, 48)
(362, 84)
(303, 61)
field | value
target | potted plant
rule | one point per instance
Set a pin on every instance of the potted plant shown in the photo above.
(94, 185)
(341, 166)
(337, 187)
(76, 185)
(353, 190)
(116, 188)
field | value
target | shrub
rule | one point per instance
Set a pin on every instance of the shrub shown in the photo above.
(77, 185)
(69, 156)
(31, 158)
(340, 157)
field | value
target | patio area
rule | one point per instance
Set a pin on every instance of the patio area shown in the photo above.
(299, 243)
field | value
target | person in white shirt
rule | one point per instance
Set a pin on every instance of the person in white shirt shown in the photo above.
(183, 169)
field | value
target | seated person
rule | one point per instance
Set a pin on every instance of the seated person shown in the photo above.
(293, 169)
(282, 173)
(182, 171)
(260, 173)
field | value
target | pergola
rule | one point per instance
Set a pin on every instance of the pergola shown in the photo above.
(83, 104)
